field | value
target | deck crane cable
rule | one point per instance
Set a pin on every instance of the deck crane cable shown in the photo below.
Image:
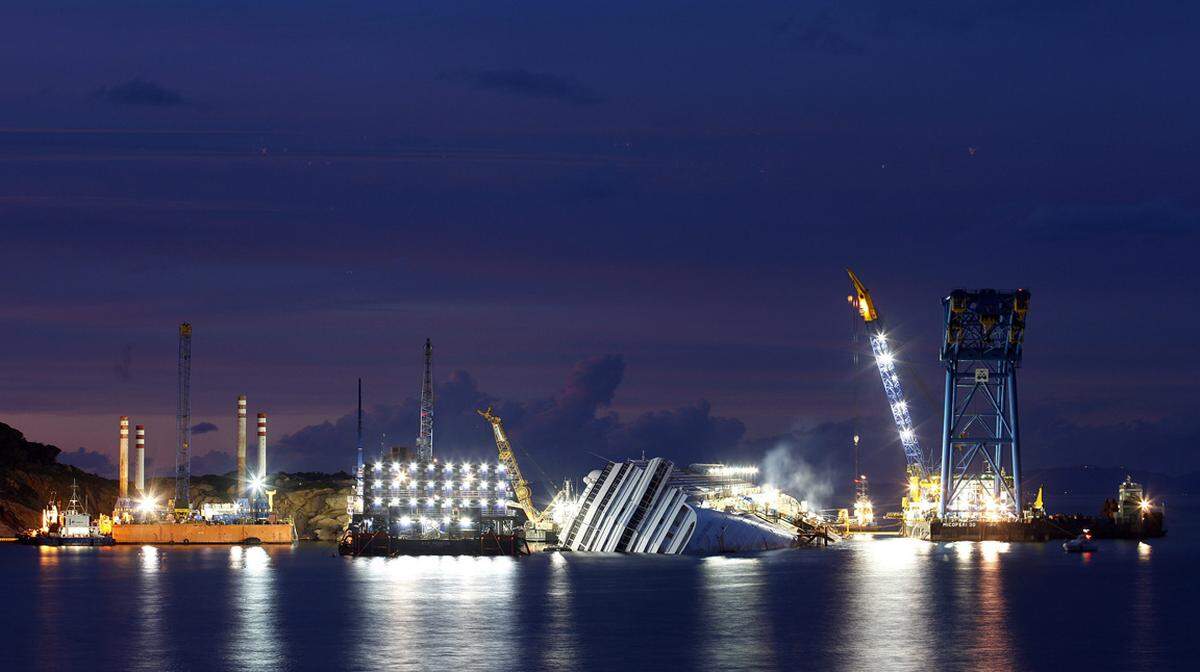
(546, 480)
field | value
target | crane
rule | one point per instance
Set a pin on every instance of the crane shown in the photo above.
(981, 448)
(539, 520)
(922, 481)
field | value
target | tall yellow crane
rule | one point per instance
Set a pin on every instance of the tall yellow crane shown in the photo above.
(520, 485)
(560, 505)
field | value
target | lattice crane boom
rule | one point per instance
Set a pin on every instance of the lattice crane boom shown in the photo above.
(885, 361)
(509, 460)
(425, 435)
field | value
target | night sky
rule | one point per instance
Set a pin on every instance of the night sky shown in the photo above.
(624, 223)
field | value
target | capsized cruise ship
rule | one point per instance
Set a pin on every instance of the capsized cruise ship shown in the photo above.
(650, 506)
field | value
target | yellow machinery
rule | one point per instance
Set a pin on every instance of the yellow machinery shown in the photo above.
(538, 520)
(924, 484)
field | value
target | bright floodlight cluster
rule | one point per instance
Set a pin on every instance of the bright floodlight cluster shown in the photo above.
(429, 493)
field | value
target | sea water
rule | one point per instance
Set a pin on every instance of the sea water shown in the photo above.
(865, 604)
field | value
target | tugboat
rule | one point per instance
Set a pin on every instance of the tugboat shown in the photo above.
(1081, 544)
(71, 526)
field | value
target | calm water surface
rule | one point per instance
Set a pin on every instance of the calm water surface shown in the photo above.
(862, 605)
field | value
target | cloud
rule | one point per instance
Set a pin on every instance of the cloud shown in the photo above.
(89, 460)
(1052, 438)
(687, 434)
(214, 462)
(204, 428)
(957, 18)
(124, 364)
(520, 82)
(558, 436)
(819, 33)
(140, 92)
(1141, 221)
(569, 432)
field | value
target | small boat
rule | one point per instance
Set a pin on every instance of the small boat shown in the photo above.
(69, 526)
(1081, 544)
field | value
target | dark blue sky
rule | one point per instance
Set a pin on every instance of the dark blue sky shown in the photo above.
(626, 222)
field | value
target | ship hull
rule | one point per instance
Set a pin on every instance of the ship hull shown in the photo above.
(367, 544)
(53, 540)
(199, 533)
(720, 533)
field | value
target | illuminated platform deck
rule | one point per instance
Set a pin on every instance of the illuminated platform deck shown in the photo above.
(200, 533)
(1033, 530)
(386, 545)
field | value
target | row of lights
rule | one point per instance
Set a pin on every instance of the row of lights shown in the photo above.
(465, 466)
(448, 485)
(413, 501)
(406, 521)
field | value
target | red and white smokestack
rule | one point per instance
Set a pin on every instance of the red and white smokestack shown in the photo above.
(262, 445)
(139, 467)
(241, 446)
(123, 459)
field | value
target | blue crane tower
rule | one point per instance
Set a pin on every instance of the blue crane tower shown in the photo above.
(183, 421)
(981, 445)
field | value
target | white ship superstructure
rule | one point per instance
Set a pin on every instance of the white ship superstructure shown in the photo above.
(629, 507)
(649, 506)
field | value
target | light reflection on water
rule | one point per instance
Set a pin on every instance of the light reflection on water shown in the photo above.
(890, 595)
(253, 643)
(866, 604)
(736, 633)
(559, 643)
(149, 630)
(1142, 618)
(454, 610)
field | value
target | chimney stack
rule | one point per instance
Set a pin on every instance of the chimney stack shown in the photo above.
(139, 473)
(262, 445)
(123, 459)
(241, 447)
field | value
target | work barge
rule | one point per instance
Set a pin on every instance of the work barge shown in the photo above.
(975, 492)
(409, 502)
(143, 517)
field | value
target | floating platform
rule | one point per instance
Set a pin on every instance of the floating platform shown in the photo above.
(1038, 530)
(201, 533)
(382, 544)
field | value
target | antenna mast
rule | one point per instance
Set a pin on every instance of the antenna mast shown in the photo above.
(425, 437)
(183, 419)
(359, 442)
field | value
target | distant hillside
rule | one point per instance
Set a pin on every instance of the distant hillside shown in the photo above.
(1077, 489)
(30, 472)
(1101, 482)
